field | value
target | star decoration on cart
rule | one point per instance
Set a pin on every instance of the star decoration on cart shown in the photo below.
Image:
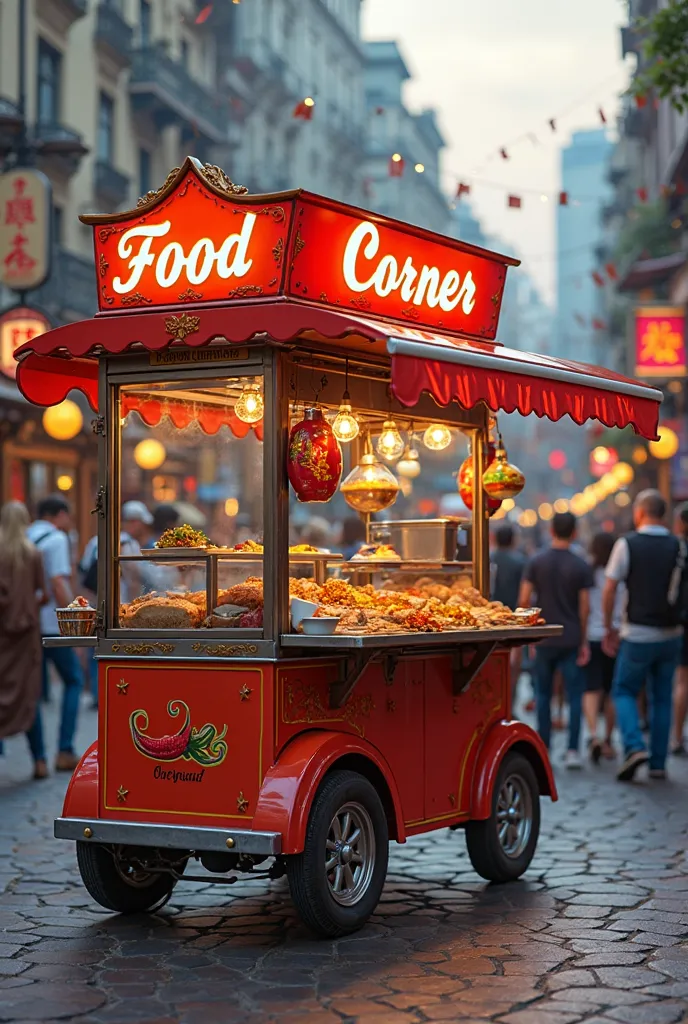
(245, 692)
(242, 803)
(122, 686)
(122, 794)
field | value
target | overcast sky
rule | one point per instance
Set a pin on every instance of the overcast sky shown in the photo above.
(497, 69)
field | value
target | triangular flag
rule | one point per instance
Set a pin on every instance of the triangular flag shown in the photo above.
(463, 190)
(304, 110)
(611, 271)
(563, 199)
(395, 168)
(203, 14)
(514, 202)
(641, 100)
(642, 194)
(598, 279)
(599, 325)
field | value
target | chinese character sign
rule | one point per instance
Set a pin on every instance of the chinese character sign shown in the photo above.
(660, 341)
(25, 211)
(17, 326)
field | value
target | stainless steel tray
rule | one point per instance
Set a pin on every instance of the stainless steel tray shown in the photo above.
(70, 641)
(448, 638)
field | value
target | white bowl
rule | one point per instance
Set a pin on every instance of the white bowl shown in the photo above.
(321, 626)
(301, 609)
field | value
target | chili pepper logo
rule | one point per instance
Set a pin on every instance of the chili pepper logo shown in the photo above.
(206, 746)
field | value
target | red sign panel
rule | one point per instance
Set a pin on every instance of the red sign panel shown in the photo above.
(660, 341)
(198, 241)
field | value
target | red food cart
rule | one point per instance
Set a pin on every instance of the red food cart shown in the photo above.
(233, 731)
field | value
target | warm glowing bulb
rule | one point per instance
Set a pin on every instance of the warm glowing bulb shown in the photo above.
(64, 482)
(309, 101)
(396, 157)
(149, 454)
(345, 425)
(639, 455)
(419, 168)
(437, 437)
(249, 405)
(623, 473)
(409, 464)
(623, 499)
(508, 504)
(545, 510)
(63, 421)
(600, 455)
(561, 505)
(390, 444)
(667, 445)
(231, 507)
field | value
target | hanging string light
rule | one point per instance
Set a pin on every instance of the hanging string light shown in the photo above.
(249, 405)
(437, 437)
(345, 426)
(390, 444)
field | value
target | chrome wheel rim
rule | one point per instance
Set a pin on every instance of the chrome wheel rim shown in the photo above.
(349, 854)
(514, 815)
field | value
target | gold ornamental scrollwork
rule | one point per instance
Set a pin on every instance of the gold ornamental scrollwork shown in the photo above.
(155, 192)
(135, 299)
(189, 296)
(278, 251)
(182, 326)
(153, 648)
(303, 704)
(299, 244)
(225, 650)
(216, 177)
(242, 290)
(103, 265)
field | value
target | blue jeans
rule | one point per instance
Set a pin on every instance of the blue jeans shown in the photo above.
(547, 661)
(69, 670)
(654, 664)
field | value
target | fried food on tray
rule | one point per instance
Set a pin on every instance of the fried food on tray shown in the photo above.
(247, 595)
(249, 545)
(169, 612)
(183, 536)
(376, 553)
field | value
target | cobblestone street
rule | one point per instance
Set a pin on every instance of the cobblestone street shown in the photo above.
(597, 932)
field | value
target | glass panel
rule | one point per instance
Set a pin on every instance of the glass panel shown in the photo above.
(191, 520)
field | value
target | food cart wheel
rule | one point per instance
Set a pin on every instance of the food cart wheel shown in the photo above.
(502, 847)
(336, 882)
(119, 885)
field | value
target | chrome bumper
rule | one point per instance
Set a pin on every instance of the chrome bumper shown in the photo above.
(169, 837)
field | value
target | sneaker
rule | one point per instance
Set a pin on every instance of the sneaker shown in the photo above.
(679, 750)
(595, 750)
(657, 773)
(66, 762)
(40, 770)
(572, 759)
(608, 751)
(631, 763)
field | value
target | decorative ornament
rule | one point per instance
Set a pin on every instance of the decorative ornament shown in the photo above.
(64, 421)
(314, 458)
(345, 426)
(437, 437)
(465, 480)
(249, 405)
(370, 486)
(501, 479)
(390, 444)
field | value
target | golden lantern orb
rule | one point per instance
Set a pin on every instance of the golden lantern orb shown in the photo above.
(345, 426)
(249, 405)
(437, 437)
(64, 421)
(667, 445)
(390, 444)
(623, 473)
(149, 454)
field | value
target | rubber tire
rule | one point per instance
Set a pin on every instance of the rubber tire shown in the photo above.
(484, 849)
(305, 871)
(109, 889)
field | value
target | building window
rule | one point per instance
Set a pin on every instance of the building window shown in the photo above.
(145, 22)
(49, 67)
(144, 172)
(184, 53)
(58, 226)
(106, 117)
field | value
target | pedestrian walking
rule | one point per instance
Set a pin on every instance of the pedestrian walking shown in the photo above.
(678, 747)
(600, 668)
(22, 589)
(562, 581)
(509, 565)
(49, 534)
(649, 561)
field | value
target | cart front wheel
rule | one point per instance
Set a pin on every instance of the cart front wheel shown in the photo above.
(119, 884)
(336, 882)
(502, 847)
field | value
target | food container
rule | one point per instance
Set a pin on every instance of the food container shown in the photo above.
(425, 540)
(301, 609)
(321, 626)
(76, 621)
(528, 616)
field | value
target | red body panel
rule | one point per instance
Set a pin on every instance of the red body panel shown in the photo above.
(434, 755)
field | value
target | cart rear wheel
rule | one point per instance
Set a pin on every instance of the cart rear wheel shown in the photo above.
(121, 885)
(336, 882)
(502, 847)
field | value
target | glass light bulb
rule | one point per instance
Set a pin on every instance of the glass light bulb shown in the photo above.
(249, 405)
(345, 425)
(437, 437)
(390, 443)
(409, 464)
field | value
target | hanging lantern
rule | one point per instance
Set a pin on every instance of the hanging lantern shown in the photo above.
(249, 405)
(409, 464)
(314, 458)
(501, 479)
(465, 480)
(149, 454)
(64, 421)
(345, 426)
(370, 486)
(437, 437)
(390, 444)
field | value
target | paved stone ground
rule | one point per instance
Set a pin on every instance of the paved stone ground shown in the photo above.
(597, 932)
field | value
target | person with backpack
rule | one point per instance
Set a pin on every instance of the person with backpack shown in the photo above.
(651, 562)
(49, 534)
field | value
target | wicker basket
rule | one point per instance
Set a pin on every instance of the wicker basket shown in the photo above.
(76, 621)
